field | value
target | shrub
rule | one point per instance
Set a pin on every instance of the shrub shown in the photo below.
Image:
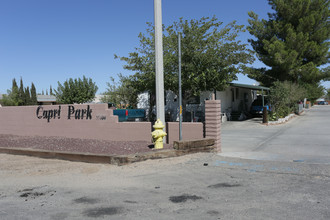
(284, 97)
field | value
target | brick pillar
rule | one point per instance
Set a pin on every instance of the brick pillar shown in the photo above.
(213, 121)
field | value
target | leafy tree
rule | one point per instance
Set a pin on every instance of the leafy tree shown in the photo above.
(16, 97)
(7, 100)
(328, 94)
(11, 99)
(120, 92)
(284, 97)
(293, 42)
(34, 100)
(76, 91)
(211, 57)
(314, 91)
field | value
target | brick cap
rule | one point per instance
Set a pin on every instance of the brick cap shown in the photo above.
(212, 101)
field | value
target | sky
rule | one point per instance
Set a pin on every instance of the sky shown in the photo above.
(50, 41)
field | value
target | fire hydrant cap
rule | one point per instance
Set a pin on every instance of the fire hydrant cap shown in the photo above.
(158, 124)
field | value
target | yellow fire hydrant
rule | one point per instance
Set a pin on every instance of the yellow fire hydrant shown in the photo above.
(158, 134)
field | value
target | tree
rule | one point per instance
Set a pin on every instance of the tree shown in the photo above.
(21, 94)
(211, 57)
(14, 92)
(51, 91)
(120, 92)
(314, 91)
(76, 91)
(34, 100)
(327, 94)
(284, 97)
(11, 99)
(294, 42)
(7, 100)
(27, 96)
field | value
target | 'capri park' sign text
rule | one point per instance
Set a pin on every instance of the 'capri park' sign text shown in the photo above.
(72, 113)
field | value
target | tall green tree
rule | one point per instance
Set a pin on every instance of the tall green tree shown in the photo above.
(293, 42)
(120, 92)
(314, 91)
(14, 92)
(284, 97)
(76, 91)
(51, 90)
(21, 93)
(327, 96)
(211, 57)
(27, 96)
(12, 97)
(34, 100)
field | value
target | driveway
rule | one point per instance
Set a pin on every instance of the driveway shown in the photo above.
(305, 138)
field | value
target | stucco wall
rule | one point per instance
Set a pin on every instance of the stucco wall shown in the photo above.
(96, 122)
(213, 121)
(190, 131)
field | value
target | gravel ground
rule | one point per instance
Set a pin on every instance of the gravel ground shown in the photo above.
(77, 145)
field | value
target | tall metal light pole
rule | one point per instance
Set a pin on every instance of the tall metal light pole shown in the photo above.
(159, 60)
(180, 90)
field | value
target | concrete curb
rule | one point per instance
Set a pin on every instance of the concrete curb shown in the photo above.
(281, 120)
(113, 159)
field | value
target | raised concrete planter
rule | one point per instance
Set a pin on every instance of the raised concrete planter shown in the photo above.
(181, 148)
(281, 120)
(196, 144)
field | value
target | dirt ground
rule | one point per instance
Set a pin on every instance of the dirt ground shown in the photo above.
(196, 186)
(18, 171)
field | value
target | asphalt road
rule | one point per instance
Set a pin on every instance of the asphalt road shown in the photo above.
(198, 186)
(304, 138)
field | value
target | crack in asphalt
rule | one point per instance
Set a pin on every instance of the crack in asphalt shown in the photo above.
(262, 146)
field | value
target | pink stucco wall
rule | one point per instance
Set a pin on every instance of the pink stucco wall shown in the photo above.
(190, 131)
(213, 121)
(96, 122)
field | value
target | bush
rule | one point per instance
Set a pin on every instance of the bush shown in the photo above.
(284, 97)
(272, 116)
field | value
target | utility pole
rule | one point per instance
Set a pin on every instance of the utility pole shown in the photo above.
(180, 90)
(159, 61)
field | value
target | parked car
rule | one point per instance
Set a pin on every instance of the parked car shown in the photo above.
(322, 103)
(257, 108)
(130, 114)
